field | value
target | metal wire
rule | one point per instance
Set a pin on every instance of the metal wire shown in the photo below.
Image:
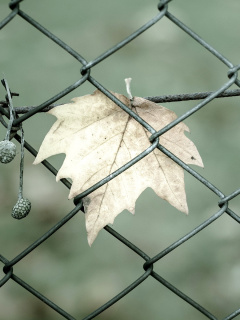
(86, 67)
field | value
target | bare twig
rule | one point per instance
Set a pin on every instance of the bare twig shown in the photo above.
(156, 99)
(192, 96)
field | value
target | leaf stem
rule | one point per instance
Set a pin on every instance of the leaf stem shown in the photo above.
(128, 82)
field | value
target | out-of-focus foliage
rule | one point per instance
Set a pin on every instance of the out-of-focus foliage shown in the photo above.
(163, 60)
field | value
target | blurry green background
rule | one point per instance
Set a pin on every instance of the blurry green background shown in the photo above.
(163, 60)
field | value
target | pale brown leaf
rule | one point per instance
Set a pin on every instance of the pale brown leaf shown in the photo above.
(98, 137)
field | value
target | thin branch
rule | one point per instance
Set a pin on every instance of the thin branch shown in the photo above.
(192, 96)
(156, 99)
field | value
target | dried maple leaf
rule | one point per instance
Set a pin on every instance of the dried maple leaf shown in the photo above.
(98, 137)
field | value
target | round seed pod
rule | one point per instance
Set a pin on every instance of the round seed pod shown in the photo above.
(21, 208)
(7, 151)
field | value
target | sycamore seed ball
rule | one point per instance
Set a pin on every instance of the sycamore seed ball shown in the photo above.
(21, 208)
(7, 151)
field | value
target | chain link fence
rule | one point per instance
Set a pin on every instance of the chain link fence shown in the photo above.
(148, 262)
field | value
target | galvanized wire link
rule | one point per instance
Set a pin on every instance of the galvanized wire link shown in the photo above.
(186, 237)
(123, 293)
(124, 42)
(116, 173)
(14, 4)
(54, 38)
(11, 15)
(6, 277)
(196, 108)
(41, 297)
(223, 202)
(50, 101)
(196, 37)
(43, 238)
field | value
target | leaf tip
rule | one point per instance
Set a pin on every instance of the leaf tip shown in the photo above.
(185, 209)
(89, 242)
(197, 161)
(36, 161)
(91, 238)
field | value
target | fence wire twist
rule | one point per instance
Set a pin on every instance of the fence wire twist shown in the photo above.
(86, 68)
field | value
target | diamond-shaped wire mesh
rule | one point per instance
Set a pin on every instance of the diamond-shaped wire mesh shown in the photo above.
(223, 208)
